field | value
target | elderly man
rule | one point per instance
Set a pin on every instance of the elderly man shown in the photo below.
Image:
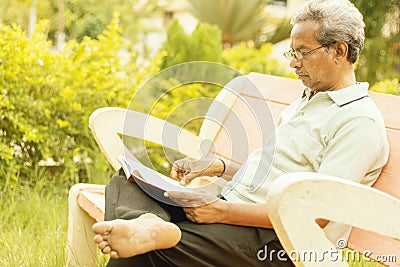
(333, 129)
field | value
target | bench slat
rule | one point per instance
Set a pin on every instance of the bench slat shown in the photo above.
(380, 246)
(93, 202)
(389, 180)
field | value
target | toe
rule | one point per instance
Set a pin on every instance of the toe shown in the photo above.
(102, 245)
(102, 227)
(106, 250)
(114, 255)
(99, 238)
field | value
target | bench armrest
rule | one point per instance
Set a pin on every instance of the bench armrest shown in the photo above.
(108, 125)
(296, 200)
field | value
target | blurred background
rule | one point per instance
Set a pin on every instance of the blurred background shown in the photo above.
(150, 25)
(62, 59)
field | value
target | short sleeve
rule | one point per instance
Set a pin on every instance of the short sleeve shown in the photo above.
(354, 149)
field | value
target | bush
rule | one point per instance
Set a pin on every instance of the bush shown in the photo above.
(247, 58)
(387, 86)
(47, 96)
(204, 44)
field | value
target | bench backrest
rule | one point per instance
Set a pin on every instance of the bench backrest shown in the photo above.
(244, 99)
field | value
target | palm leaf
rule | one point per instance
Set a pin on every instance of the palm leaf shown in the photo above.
(239, 20)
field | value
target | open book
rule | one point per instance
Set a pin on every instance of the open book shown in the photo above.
(151, 181)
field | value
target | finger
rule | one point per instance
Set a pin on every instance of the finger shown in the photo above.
(189, 196)
(178, 162)
(177, 174)
(181, 165)
(174, 174)
(180, 202)
(189, 213)
(187, 165)
(190, 217)
(187, 210)
(200, 198)
(176, 195)
(181, 198)
(202, 165)
(188, 178)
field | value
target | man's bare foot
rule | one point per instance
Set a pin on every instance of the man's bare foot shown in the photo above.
(127, 238)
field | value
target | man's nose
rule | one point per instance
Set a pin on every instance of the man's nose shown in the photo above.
(295, 63)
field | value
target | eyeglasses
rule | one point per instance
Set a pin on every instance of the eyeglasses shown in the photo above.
(299, 55)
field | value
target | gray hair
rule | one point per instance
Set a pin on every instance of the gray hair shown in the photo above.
(340, 20)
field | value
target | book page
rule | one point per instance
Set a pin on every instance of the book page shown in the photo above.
(150, 176)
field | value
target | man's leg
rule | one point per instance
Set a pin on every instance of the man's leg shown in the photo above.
(126, 200)
(133, 217)
(219, 245)
(128, 238)
(201, 244)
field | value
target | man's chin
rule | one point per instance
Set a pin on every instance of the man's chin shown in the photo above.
(304, 79)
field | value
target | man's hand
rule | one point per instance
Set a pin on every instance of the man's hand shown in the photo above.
(185, 170)
(201, 207)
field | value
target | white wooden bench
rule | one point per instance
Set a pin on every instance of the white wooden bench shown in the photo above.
(86, 202)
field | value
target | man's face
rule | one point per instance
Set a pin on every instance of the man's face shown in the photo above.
(317, 69)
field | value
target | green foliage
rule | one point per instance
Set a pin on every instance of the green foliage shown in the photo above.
(17, 11)
(204, 44)
(80, 18)
(247, 58)
(46, 98)
(381, 56)
(387, 86)
(239, 20)
(279, 33)
(375, 14)
(90, 17)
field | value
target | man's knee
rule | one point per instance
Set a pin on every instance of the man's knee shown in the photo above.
(111, 194)
(115, 181)
(119, 175)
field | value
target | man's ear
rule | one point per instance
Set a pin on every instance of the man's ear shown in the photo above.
(342, 51)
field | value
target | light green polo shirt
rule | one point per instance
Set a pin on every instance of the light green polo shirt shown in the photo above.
(339, 133)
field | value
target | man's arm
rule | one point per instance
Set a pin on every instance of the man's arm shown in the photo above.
(204, 208)
(356, 151)
(252, 214)
(185, 170)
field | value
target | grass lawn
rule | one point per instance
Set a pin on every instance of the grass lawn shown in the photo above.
(34, 226)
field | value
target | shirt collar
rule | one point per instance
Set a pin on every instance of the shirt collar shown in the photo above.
(346, 95)
(349, 94)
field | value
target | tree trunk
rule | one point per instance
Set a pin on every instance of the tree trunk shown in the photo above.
(32, 18)
(60, 34)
